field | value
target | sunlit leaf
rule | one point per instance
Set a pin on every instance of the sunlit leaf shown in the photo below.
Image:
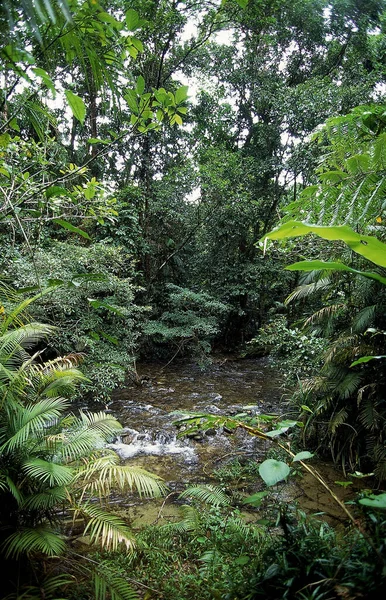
(272, 471)
(77, 106)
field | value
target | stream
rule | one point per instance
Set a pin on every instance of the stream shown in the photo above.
(228, 387)
(147, 412)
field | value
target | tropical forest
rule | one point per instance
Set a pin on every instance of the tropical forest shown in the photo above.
(192, 299)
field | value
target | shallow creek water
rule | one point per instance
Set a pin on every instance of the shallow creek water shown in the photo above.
(147, 412)
(227, 387)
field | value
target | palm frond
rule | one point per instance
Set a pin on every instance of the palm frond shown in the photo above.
(108, 583)
(105, 528)
(14, 489)
(349, 385)
(46, 500)
(72, 446)
(48, 472)
(26, 336)
(323, 313)
(101, 422)
(338, 419)
(54, 382)
(209, 494)
(363, 319)
(32, 419)
(307, 289)
(39, 539)
(102, 479)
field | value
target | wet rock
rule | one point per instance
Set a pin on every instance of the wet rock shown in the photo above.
(211, 431)
(212, 408)
(227, 430)
(194, 434)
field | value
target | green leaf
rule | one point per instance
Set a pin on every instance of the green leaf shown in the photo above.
(181, 94)
(272, 471)
(103, 304)
(374, 501)
(366, 359)
(78, 107)
(45, 78)
(319, 265)
(140, 87)
(132, 19)
(242, 560)
(255, 499)
(302, 456)
(365, 245)
(72, 228)
(55, 190)
(98, 141)
(131, 99)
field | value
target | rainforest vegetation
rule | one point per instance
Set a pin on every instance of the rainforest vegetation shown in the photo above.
(187, 179)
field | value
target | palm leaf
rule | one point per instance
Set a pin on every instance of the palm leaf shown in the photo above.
(107, 582)
(48, 472)
(39, 539)
(32, 419)
(104, 424)
(307, 289)
(46, 500)
(102, 476)
(209, 494)
(107, 529)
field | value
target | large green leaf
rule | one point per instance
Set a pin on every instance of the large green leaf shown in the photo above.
(375, 501)
(272, 471)
(72, 228)
(78, 107)
(365, 245)
(366, 359)
(315, 265)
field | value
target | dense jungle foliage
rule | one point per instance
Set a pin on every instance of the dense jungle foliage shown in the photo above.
(179, 179)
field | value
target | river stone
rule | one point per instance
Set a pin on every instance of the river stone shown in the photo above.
(210, 431)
